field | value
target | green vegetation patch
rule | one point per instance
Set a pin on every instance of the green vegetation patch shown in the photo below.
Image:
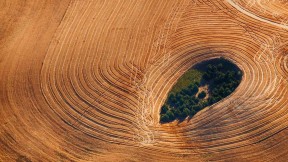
(220, 76)
(191, 77)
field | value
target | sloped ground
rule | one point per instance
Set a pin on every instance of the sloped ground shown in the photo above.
(84, 80)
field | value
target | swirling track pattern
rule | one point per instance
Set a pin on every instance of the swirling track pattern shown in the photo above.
(84, 80)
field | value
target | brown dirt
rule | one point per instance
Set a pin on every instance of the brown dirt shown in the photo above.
(84, 80)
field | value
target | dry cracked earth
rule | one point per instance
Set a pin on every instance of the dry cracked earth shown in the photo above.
(84, 80)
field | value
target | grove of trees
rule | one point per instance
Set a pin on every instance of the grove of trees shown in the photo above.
(222, 78)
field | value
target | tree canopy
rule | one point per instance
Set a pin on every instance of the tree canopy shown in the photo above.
(222, 78)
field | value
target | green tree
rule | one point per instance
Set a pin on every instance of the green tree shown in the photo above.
(193, 89)
(164, 118)
(202, 95)
(164, 109)
(186, 112)
(177, 113)
(170, 115)
(172, 100)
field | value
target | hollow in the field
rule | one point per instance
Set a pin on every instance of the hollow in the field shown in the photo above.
(203, 85)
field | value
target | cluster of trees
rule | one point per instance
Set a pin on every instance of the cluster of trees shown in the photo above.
(183, 104)
(222, 79)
